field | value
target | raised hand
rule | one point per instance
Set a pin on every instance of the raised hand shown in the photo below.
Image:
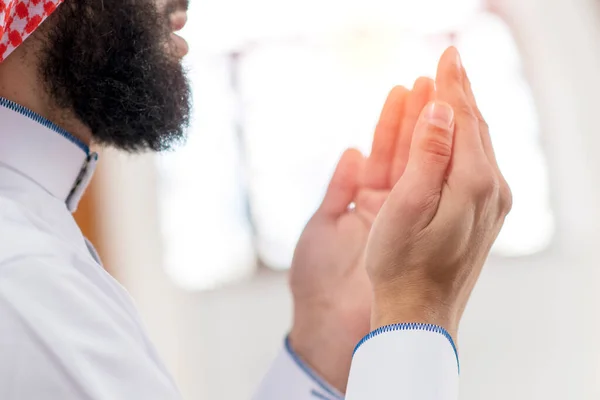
(332, 292)
(434, 233)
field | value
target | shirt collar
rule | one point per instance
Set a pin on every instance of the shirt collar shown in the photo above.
(45, 153)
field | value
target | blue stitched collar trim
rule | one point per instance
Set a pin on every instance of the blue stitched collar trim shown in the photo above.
(43, 121)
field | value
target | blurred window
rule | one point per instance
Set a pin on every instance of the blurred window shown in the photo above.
(278, 100)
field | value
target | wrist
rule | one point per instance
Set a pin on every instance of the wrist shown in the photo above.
(390, 310)
(318, 343)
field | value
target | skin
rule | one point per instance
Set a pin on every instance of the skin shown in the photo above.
(429, 202)
(128, 91)
(331, 289)
(430, 240)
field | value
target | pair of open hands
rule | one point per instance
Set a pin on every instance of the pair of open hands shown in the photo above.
(428, 203)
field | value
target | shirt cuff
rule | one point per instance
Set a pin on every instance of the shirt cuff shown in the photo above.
(412, 361)
(291, 378)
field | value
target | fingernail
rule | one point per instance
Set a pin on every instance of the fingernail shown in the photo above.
(458, 60)
(440, 114)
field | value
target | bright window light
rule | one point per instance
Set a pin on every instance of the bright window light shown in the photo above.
(303, 104)
(227, 25)
(207, 237)
(271, 123)
(505, 98)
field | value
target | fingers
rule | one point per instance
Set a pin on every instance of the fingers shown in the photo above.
(431, 151)
(474, 166)
(505, 194)
(468, 149)
(369, 202)
(422, 93)
(344, 184)
(484, 130)
(377, 168)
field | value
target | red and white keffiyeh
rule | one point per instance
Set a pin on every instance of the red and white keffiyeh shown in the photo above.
(18, 20)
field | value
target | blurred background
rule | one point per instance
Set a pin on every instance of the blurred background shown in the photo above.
(202, 236)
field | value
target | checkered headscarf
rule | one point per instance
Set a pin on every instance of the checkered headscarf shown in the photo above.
(18, 20)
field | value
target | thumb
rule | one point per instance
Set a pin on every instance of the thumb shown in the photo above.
(429, 159)
(344, 183)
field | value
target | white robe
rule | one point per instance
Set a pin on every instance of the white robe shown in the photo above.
(68, 330)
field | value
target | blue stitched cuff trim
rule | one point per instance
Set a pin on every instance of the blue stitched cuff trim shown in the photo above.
(308, 371)
(319, 395)
(411, 327)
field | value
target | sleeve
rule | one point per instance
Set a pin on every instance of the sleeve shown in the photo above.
(405, 361)
(291, 379)
(65, 336)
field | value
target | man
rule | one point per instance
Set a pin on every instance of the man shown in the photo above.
(429, 202)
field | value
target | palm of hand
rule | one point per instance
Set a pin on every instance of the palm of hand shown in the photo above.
(329, 282)
(328, 269)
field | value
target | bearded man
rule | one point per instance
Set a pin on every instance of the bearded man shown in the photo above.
(428, 203)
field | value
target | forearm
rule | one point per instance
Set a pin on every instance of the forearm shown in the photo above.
(418, 307)
(325, 345)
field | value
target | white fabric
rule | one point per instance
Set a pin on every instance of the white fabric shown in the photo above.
(291, 379)
(405, 365)
(408, 364)
(39, 152)
(68, 330)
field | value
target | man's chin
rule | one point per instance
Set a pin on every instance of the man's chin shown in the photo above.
(113, 71)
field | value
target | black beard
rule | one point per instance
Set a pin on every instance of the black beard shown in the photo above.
(111, 63)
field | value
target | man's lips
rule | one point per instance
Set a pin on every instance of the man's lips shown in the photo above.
(178, 21)
(181, 45)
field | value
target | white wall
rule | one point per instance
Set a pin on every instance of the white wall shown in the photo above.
(531, 329)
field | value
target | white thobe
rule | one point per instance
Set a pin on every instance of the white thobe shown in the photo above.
(68, 330)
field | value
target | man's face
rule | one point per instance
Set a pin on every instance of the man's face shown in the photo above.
(112, 63)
